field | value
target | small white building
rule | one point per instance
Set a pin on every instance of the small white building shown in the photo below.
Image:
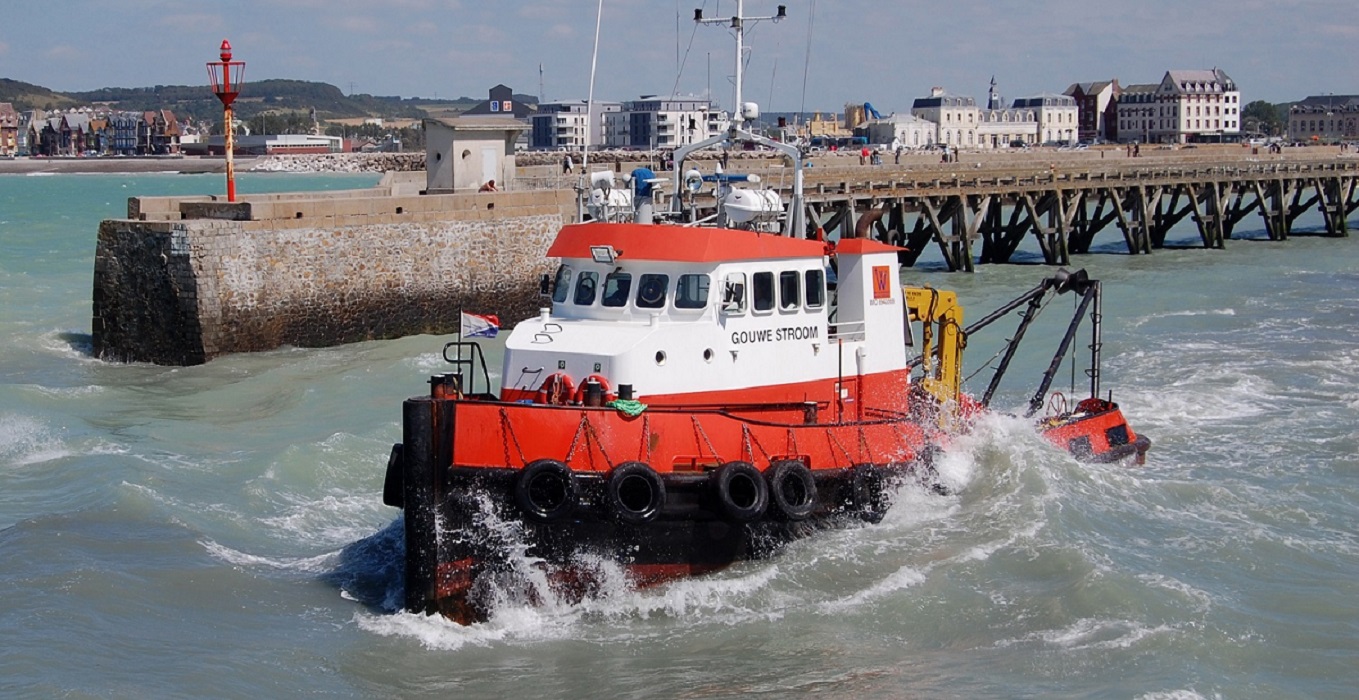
(464, 153)
(900, 131)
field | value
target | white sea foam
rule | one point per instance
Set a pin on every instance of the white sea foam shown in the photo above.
(1178, 694)
(316, 564)
(1090, 633)
(25, 441)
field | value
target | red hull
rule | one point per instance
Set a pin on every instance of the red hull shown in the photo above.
(670, 493)
(1096, 432)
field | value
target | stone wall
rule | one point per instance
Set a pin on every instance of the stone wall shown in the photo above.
(318, 274)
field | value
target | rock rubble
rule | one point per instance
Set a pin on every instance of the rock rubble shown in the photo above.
(340, 163)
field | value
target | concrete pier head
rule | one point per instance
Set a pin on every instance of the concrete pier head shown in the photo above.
(184, 280)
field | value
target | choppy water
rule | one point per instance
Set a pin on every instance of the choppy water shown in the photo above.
(217, 531)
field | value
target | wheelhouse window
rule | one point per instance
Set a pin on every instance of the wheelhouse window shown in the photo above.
(788, 290)
(563, 285)
(587, 284)
(617, 287)
(816, 288)
(651, 290)
(762, 291)
(691, 292)
(734, 293)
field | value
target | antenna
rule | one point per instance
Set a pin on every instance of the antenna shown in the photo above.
(738, 22)
(541, 95)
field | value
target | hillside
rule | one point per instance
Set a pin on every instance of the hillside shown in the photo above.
(265, 96)
(26, 96)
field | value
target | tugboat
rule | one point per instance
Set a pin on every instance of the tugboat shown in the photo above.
(707, 384)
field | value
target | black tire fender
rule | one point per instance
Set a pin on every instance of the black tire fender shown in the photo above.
(869, 491)
(545, 491)
(394, 485)
(634, 493)
(740, 492)
(792, 490)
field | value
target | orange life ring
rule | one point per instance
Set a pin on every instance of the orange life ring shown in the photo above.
(557, 389)
(579, 396)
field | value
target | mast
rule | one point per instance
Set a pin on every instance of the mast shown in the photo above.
(590, 100)
(736, 133)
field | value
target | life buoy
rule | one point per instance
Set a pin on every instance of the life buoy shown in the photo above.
(579, 396)
(545, 491)
(557, 389)
(740, 491)
(792, 490)
(634, 493)
(869, 490)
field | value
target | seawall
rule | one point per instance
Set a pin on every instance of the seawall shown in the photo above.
(184, 280)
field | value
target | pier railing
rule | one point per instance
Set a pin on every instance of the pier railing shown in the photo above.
(980, 211)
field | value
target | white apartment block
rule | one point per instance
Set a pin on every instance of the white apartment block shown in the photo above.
(562, 125)
(1187, 105)
(664, 123)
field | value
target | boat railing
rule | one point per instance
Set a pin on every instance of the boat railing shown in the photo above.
(847, 330)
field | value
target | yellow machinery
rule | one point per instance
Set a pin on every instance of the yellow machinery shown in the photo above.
(941, 340)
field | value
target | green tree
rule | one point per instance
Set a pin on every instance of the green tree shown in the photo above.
(1263, 117)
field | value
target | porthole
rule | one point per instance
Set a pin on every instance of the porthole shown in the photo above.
(708, 355)
(660, 357)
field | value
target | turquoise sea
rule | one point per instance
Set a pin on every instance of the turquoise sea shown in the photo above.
(217, 531)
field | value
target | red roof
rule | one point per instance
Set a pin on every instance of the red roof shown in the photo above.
(864, 246)
(669, 243)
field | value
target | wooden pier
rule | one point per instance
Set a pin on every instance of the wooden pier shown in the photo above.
(1065, 204)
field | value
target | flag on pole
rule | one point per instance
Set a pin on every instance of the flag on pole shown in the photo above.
(479, 325)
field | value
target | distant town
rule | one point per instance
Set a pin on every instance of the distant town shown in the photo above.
(1183, 107)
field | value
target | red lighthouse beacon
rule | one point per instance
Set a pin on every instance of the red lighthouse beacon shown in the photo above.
(227, 77)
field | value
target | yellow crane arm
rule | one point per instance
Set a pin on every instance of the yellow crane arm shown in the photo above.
(942, 340)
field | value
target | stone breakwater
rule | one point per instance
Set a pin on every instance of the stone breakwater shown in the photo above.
(315, 271)
(412, 162)
(341, 163)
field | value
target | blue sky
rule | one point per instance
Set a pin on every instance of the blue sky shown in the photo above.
(882, 51)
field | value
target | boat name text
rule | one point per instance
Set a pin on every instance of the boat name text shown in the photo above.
(766, 335)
